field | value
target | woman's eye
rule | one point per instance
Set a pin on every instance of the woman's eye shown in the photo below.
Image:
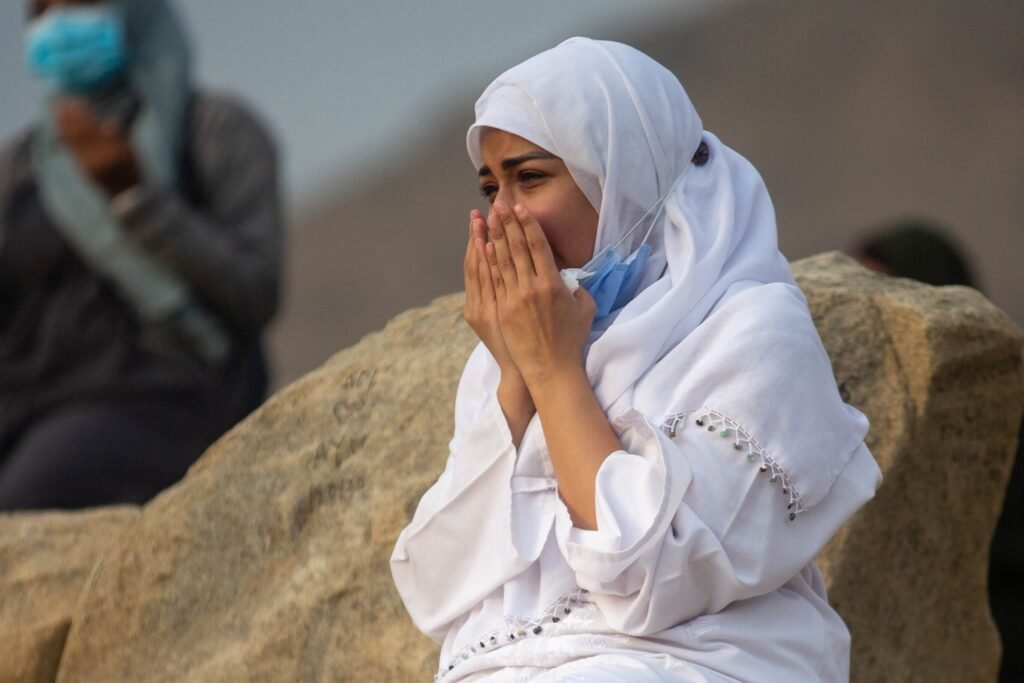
(488, 191)
(530, 176)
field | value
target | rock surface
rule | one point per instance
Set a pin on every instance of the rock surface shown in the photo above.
(45, 561)
(937, 370)
(269, 561)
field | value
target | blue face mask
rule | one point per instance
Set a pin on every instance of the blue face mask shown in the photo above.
(76, 49)
(613, 281)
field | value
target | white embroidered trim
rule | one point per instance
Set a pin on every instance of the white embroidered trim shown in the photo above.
(516, 629)
(742, 441)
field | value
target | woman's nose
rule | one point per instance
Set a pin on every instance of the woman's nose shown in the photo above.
(507, 195)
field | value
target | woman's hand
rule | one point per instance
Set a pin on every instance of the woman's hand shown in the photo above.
(544, 326)
(481, 313)
(100, 147)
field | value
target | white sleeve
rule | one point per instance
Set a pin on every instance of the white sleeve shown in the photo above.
(458, 543)
(687, 525)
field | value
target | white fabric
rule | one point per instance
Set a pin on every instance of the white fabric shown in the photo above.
(627, 132)
(687, 526)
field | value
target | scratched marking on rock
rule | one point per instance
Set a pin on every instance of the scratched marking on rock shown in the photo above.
(334, 492)
(325, 493)
(349, 436)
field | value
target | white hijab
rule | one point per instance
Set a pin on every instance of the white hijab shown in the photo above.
(720, 323)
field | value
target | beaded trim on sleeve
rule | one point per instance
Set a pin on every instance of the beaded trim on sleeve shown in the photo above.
(516, 629)
(744, 444)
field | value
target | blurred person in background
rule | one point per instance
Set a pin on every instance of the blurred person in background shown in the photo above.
(918, 250)
(915, 249)
(140, 252)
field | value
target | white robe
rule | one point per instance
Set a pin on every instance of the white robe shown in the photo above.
(695, 573)
(739, 460)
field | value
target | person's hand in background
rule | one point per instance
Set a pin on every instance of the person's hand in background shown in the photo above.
(101, 148)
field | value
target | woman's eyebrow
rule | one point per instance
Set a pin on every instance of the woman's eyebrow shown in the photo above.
(515, 161)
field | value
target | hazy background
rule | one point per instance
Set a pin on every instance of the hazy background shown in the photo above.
(345, 84)
(856, 113)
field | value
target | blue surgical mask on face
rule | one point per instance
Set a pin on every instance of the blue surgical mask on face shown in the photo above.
(610, 279)
(76, 49)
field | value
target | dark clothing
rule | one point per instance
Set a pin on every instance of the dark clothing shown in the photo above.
(119, 451)
(73, 353)
(1006, 569)
(919, 251)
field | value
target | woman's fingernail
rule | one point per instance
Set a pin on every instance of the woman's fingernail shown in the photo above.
(520, 211)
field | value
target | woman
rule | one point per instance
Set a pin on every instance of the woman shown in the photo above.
(140, 232)
(643, 469)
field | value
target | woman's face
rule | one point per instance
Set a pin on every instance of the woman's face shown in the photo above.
(517, 171)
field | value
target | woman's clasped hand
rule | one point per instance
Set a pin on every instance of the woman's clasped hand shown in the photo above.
(516, 300)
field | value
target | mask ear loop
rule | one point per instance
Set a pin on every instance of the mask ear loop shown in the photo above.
(574, 276)
(659, 204)
(700, 157)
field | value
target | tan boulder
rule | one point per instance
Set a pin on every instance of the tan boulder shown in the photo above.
(269, 561)
(938, 372)
(45, 561)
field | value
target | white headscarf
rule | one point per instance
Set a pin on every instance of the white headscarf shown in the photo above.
(720, 323)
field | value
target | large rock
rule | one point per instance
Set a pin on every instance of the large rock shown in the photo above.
(269, 561)
(938, 372)
(45, 560)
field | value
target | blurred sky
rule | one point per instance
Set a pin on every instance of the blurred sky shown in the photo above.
(343, 84)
